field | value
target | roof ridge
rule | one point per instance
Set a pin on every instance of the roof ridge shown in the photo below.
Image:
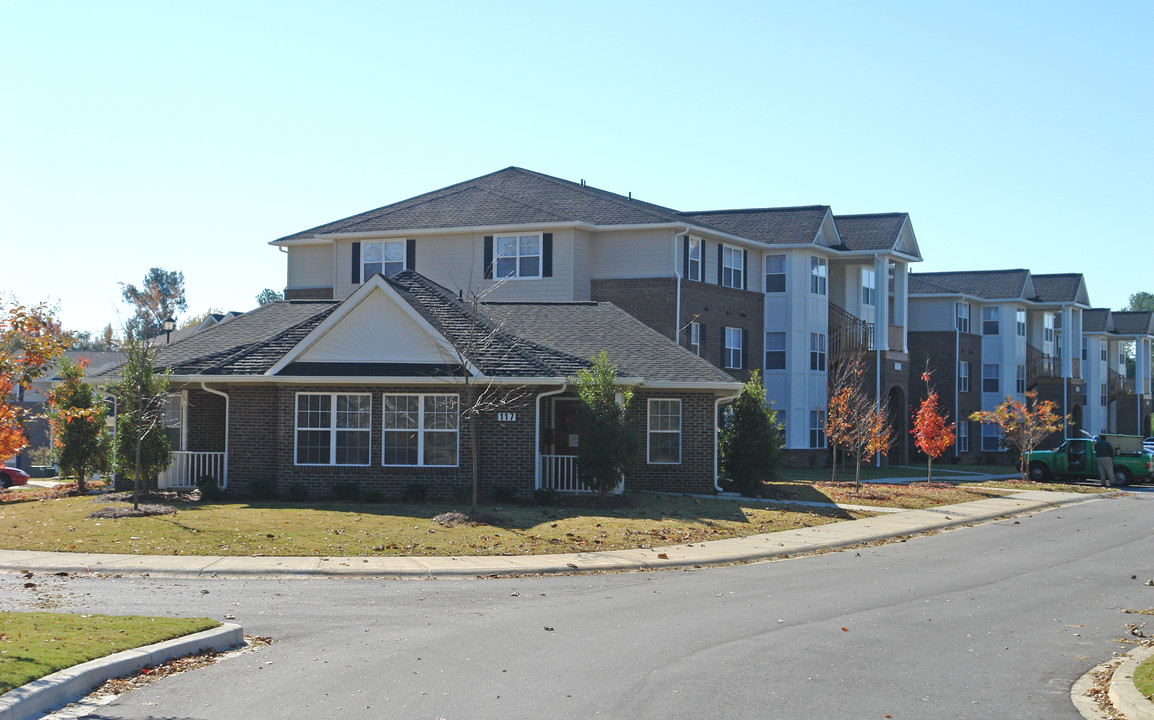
(894, 213)
(265, 342)
(785, 208)
(608, 194)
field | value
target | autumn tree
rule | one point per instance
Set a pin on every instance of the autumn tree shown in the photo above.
(931, 433)
(268, 295)
(160, 296)
(77, 415)
(30, 341)
(751, 440)
(847, 398)
(142, 447)
(1024, 425)
(608, 439)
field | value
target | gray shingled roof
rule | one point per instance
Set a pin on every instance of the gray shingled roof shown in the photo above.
(1129, 322)
(510, 340)
(986, 284)
(877, 231)
(1059, 287)
(774, 226)
(1095, 320)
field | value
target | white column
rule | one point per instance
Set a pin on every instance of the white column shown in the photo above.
(1068, 342)
(901, 301)
(1142, 366)
(882, 322)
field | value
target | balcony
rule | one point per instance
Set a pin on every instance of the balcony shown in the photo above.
(1040, 366)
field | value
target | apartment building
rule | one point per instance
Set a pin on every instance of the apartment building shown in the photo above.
(1116, 361)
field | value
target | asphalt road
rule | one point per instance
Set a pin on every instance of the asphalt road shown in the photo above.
(995, 621)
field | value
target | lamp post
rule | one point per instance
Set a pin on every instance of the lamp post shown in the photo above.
(169, 324)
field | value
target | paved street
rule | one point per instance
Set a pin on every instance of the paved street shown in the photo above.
(994, 621)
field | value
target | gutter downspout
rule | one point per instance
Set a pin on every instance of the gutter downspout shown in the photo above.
(716, 410)
(677, 274)
(224, 395)
(957, 367)
(537, 434)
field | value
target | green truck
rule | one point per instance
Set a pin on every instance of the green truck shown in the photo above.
(1075, 458)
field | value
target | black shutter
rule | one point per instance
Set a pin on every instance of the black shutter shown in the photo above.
(488, 257)
(720, 260)
(702, 348)
(410, 254)
(723, 358)
(356, 263)
(744, 269)
(744, 348)
(547, 255)
(685, 257)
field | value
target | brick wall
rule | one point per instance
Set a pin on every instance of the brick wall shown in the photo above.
(653, 301)
(694, 474)
(308, 294)
(938, 349)
(205, 415)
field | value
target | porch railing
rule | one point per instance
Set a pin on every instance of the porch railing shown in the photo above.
(559, 472)
(848, 333)
(187, 466)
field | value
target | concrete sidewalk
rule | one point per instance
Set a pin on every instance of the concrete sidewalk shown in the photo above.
(747, 549)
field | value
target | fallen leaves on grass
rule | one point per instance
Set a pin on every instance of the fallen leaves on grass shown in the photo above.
(111, 512)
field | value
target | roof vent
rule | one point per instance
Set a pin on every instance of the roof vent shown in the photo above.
(582, 182)
(630, 194)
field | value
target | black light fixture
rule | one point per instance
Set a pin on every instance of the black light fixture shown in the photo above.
(169, 324)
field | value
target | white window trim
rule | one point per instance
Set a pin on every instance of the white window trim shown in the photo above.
(995, 435)
(649, 431)
(782, 274)
(697, 264)
(964, 378)
(996, 376)
(963, 437)
(819, 416)
(420, 429)
(782, 350)
(1020, 322)
(997, 313)
(822, 353)
(732, 351)
(365, 274)
(518, 276)
(332, 429)
(736, 266)
(869, 292)
(695, 338)
(821, 279)
(960, 316)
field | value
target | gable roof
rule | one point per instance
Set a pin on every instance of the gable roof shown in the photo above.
(514, 340)
(1061, 288)
(773, 226)
(1133, 322)
(1096, 320)
(984, 284)
(874, 231)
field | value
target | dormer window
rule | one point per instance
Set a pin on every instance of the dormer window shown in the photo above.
(387, 258)
(518, 256)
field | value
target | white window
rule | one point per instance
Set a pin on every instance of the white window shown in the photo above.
(517, 256)
(991, 438)
(774, 273)
(695, 338)
(1102, 343)
(963, 317)
(817, 352)
(1020, 319)
(869, 287)
(664, 432)
(817, 428)
(1085, 348)
(732, 359)
(333, 428)
(963, 376)
(775, 351)
(733, 267)
(990, 378)
(1103, 395)
(1020, 380)
(818, 275)
(1048, 327)
(694, 263)
(420, 430)
(387, 258)
(963, 437)
(990, 320)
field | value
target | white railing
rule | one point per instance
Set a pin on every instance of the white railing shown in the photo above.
(559, 472)
(187, 466)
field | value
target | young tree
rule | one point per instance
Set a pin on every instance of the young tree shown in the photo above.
(160, 296)
(268, 295)
(931, 433)
(608, 439)
(1024, 424)
(142, 447)
(846, 397)
(751, 440)
(30, 341)
(78, 415)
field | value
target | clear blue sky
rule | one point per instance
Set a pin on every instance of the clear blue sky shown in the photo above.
(188, 135)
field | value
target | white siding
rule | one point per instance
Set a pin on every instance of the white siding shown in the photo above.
(634, 254)
(310, 266)
(938, 314)
(582, 264)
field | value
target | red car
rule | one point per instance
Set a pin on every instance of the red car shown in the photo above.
(10, 476)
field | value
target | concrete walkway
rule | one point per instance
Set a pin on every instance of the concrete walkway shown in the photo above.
(747, 549)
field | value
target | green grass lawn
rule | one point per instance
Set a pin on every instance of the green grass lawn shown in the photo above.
(36, 644)
(1144, 677)
(869, 472)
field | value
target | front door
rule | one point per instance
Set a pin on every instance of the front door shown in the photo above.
(565, 440)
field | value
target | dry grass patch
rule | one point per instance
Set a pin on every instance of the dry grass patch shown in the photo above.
(911, 497)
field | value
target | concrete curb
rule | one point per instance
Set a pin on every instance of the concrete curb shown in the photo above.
(1124, 694)
(60, 688)
(717, 552)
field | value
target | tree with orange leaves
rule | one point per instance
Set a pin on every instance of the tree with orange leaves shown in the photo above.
(1024, 424)
(30, 341)
(846, 398)
(931, 433)
(80, 437)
